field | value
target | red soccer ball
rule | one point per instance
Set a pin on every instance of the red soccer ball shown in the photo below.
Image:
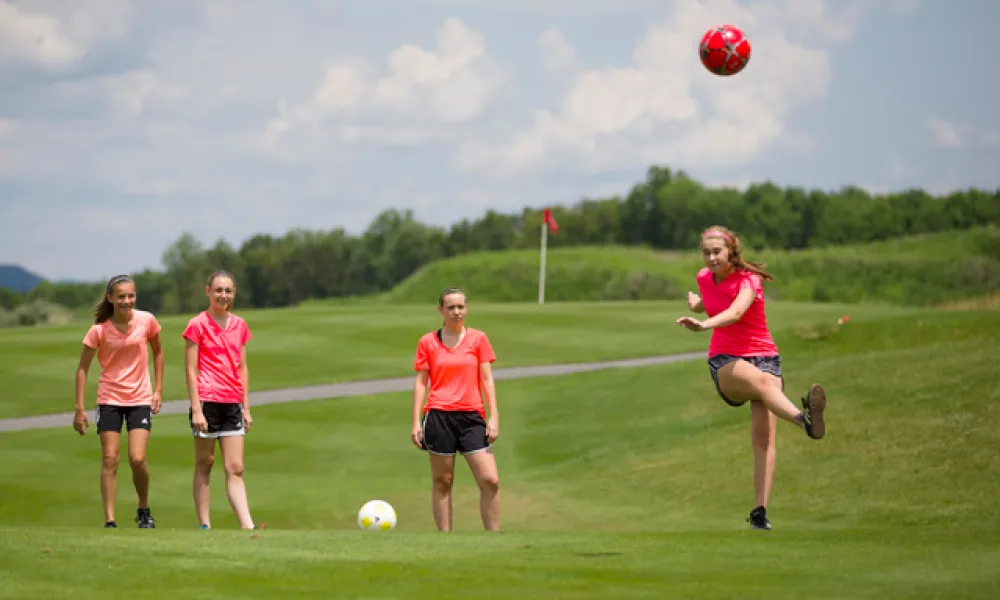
(725, 50)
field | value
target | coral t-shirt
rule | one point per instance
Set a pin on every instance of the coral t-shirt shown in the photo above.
(453, 373)
(747, 337)
(124, 360)
(219, 354)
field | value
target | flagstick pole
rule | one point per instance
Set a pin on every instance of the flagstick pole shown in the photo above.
(541, 267)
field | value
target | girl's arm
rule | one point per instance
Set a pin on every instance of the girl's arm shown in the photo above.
(695, 303)
(419, 391)
(80, 422)
(489, 388)
(191, 375)
(158, 360)
(735, 311)
(86, 357)
(245, 378)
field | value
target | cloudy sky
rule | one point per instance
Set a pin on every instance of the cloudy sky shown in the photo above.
(126, 122)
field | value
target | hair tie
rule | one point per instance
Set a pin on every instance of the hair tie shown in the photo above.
(116, 280)
(717, 233)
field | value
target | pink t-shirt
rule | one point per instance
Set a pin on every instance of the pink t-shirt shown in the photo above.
(124, 360)
(453, 373)
(747, 337)
(219, 355)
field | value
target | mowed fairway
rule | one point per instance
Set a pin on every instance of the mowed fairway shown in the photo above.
(325, 344)
(616, 484)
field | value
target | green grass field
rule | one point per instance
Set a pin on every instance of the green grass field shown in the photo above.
(617, 484)
(322, 344)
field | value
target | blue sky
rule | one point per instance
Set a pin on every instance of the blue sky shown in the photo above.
(124, 123)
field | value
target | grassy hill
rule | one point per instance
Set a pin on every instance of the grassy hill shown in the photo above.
(617, 484)
(918, 271)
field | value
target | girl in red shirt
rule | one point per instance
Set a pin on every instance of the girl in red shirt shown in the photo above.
(456, 362)
(218, 382)
(743, 359)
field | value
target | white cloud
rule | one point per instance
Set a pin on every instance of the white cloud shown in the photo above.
(666, 108)
(558, 54)
(420, 89)
(31, 35)
(36, 39)
(953, 134)
(945, 132)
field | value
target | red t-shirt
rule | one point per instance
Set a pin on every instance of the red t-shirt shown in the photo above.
(747, 337)
(453, 373)
(219, 355)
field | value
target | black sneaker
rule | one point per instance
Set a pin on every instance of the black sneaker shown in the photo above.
(144, 518)
(813, 406)
(758, 518)
(111, 525)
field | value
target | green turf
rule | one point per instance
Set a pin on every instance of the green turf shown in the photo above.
(321, 344)
(625, 483)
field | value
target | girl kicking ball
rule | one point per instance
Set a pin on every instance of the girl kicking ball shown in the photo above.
(743, 358)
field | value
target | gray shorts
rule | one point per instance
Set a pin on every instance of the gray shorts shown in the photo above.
(767, 364)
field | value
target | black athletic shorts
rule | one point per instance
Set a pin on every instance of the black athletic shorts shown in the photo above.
(224, 419)
(767, 364)
(111, 417)
(448, 432)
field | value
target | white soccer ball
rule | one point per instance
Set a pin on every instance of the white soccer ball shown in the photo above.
(377, 515)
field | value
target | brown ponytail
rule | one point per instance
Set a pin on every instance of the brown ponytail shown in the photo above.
(736, 260)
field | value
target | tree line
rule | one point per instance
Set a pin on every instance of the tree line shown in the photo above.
(667, 210)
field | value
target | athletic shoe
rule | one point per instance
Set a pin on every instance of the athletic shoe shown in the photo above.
(813, 406)
(111, 525)
(206, 527)
(758, 518)
(144, 518)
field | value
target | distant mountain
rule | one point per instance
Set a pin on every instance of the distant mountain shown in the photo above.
(18, 279)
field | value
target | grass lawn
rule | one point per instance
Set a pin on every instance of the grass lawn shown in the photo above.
(325, 344)
(617, 484)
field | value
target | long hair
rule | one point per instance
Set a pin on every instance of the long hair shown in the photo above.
(104, 308)
(735, 247)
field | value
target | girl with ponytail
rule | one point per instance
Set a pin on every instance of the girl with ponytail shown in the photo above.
(742, 357)
(120, 338)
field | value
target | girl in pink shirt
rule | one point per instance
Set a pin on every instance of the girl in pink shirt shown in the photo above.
(742, 356)
(452, 391)
(218, 382)
(119, 338)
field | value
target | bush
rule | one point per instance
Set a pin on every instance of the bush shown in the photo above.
(36, 312)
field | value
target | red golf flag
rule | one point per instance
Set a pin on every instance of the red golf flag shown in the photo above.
(550, 220)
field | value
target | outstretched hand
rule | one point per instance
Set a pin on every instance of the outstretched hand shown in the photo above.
(690, 324)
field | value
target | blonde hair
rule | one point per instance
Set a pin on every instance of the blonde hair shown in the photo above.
(735, 247)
